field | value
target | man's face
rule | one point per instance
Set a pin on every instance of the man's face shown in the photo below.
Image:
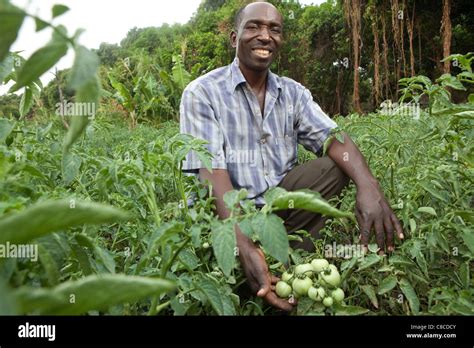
(259, 36)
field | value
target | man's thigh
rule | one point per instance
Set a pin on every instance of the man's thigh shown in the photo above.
(321, 175)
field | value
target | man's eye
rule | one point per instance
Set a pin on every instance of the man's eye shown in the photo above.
(252, 27)
(276, 30)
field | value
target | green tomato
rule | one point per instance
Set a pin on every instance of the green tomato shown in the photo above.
(282, 289)
(319, 265)
(328, 301)
(313, 293)
(338, 295)
(330, 276)
(302, 285)
(205, 245)
(304, 269)
(321, 293)
(286, 277)
(316, 294)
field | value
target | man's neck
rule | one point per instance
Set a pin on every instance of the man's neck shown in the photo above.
(256, 79)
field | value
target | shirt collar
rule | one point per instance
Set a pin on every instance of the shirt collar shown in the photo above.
(273, 84)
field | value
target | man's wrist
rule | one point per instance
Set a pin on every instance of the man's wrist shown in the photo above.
(367, 183)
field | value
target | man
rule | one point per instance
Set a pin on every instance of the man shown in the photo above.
(243, 108)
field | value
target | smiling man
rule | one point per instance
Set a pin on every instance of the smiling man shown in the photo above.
(245, 108)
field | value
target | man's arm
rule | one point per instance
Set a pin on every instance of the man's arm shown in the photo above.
(251, 257)
(372, 209)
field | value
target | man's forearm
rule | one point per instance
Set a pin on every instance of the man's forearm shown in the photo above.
(351, 161)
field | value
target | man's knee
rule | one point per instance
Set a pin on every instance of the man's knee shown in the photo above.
(338, 175)
(335, 179)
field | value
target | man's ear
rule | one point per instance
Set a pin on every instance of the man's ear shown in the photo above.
(233, 39)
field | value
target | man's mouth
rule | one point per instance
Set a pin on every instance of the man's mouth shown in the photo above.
(262, 53)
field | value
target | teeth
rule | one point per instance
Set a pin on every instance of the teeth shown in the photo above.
(262, 53)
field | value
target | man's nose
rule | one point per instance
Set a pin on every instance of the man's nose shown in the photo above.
(264, 33)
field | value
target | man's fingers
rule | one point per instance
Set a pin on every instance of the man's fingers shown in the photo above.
(263, 291)
(387, 223)
(275, 279)
(364, 226)
(398, 226)
(379, 235)
(277, 302)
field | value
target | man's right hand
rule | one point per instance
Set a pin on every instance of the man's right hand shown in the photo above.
(259, 277)
(253, 261)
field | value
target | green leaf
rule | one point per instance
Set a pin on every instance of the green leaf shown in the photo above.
(40, 62)
(224, 242)
(11, 19)
(387, 284)
(85, 81)
(180, 76)
(448, 80)
(464, 274)
(349, 310)
(211, 292)
(26, 102)
(89, 94)
(471, 98)
(308, 201)
(49, 264)
(228, 306)
(370, 292)
(95, 292)
(36, 220)
(233, 197)
(304, 305)
(400, 260)
(246, 227)
(124, 94)
(6, 128)
(84, 69)
(427, 210)
(369, 261)
(410, 294)
(80, 254)
(412, 226)
(461, 309)
(273, 236)
(70, 166)
(59, 10)
(103, 257)
(8, 304)
(468, 238)
(188, 258)
(40, 24)
(6, 67)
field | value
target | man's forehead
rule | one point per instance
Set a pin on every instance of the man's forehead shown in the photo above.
(261, 11)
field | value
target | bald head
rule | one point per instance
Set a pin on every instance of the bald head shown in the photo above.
(254, 6)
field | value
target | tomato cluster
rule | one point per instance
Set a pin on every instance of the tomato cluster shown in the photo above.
(319, 280)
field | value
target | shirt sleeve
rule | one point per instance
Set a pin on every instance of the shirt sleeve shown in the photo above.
(313, 126)
(197, 118)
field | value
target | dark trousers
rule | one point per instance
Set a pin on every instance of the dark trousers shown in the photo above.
(321, 175)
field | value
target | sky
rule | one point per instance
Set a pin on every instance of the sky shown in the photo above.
(103, 21)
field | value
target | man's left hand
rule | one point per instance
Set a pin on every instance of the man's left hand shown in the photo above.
(374, 213)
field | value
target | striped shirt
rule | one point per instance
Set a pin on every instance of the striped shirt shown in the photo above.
(257, 150)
